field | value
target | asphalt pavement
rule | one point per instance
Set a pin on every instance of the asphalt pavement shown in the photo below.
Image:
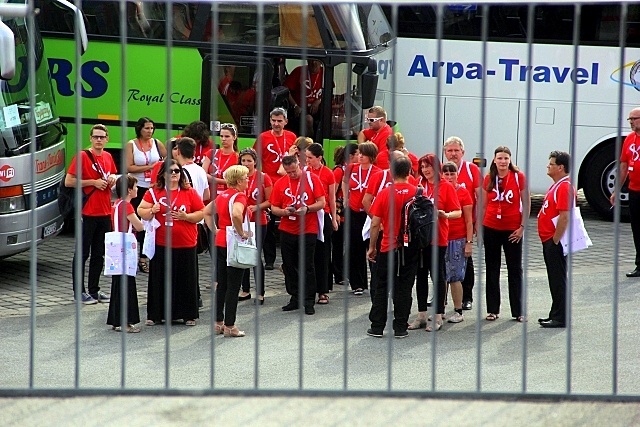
(256, 379)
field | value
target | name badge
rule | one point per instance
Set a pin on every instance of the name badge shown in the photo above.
(168, 223)
(147, 176)
(292, 218)
(405, 240)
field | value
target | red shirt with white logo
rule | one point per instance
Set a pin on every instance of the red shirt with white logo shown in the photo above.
(220, 163)
(380, 137)
(312, 81)
(359, 180)
(457, 226)
(258, 183)
(297, 192)
(124, 210)
(447, 200)
(630, 155)
(326, 177)
(272, 149)
(376, 185)
(559, 197)
(382, 207)
(184, 234)
(201, 152)
(504, 206)
(224, 216)
(99, 204)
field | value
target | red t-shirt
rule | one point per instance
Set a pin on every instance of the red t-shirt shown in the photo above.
(201, 152)
(447, 201)
(273, 149)
(99, 204)
(327, 178)
(414, 163)
(155, 171)
(313, 83)
(558, 198)
(224, 218)
(376, 185)
(359, 180)
(381, 207)
(184, 234)
(379, 138)
(630, 155)
(124, 210)
(222, 162)
(256, 192)
(469, 178)
(457, 226)
(287, 192)
(504, 207)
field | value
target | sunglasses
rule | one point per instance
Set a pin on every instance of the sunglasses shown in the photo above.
(228, 126)
(373, 119)
(174, 171)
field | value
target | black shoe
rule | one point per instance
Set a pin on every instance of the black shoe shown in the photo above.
(400, 334)
(467, 305)
(552, 324)
(634, 273)
(200, 304)
(546, 319)
(244, 298)
(291, 306)
(374, 333)
(259, 301)
(309, 310)
(268, 266)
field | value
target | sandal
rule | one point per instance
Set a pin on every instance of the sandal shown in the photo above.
(492, 316)
(149, 322)
(323, 299)
(132, 329)
(190, 323)
(435, 326)
(417, 324)
(143, 265)
(520, 319)
(219, 328)
(233, 332)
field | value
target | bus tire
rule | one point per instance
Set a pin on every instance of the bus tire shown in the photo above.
(599, 175)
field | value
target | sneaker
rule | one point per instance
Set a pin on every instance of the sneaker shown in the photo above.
(358, 292)
(400, 334)
(467, 305)
(374, 333)
(101, 297)
(268, 266)
(456, 318)
(87, 299)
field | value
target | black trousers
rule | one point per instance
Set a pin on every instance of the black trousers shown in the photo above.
(373, 267)
(494, 241)
(322, 258)
(270, 240)
(290, 247)
(258, 270)
(403, 278)
(229, 282)
(634, 211)
(93, 230)
(337, 255)
(469, 281)
(438, 277)
(115, 303)
(556, 263)
(357, 251)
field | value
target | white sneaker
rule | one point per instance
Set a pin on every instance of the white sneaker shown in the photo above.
(456, 318)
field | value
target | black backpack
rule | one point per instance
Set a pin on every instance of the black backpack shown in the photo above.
(416, 221)
(67, 195)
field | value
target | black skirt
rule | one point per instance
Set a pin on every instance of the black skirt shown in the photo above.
(115, 303)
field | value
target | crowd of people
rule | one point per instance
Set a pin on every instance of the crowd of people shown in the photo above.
(280, 191)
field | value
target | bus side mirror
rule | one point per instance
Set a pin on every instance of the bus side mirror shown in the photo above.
(369, 86)
(279, 98)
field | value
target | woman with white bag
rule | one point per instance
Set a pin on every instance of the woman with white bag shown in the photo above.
(123, 217)
(231, 207)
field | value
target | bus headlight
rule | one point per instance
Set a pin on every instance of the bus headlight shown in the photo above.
(12, 199)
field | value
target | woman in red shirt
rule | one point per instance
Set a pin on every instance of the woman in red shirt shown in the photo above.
(460, 241)
(315, 164)
(218, 161)
(505, 203)
(354, 184)
(445, 200)
(231, 209)
(178, 208)
(199, 132)
(258, 192)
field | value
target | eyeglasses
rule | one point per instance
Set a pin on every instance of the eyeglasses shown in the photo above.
(174, 171)
(99, 137)
(630, 119)
(374, 119)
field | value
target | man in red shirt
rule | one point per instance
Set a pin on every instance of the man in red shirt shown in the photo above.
(628, 158)
(558, 202)
(392, 198)
(311, 77)
(97, 177)
(297, 198)
(378, 130)
(272, 146)
(468, 177)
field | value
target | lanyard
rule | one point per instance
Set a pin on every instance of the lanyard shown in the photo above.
(251, 187)
(281, 150)
(175, 199)
(146, 157)
(221, 169)
(295, 196)
(363, 185)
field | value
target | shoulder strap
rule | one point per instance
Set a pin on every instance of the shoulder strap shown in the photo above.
(186, 172)
(384, 181)
(469, 171)
(309, 180)
(153, 196)
(246, 214)
(116, 219)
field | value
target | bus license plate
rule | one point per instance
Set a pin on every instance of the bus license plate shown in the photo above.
(49, 230)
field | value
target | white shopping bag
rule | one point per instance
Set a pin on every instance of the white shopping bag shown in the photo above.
(149, 245)
(120, 254)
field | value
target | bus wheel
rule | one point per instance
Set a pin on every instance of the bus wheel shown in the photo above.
(599, 181)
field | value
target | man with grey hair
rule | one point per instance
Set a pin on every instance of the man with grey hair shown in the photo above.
(469, 178)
